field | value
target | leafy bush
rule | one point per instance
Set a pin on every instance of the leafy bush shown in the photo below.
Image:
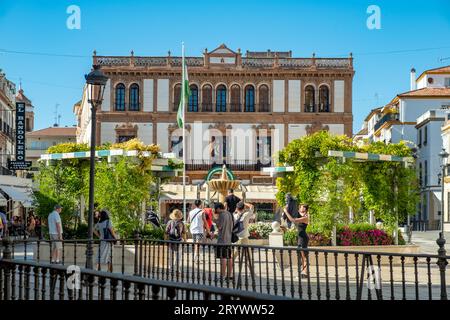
(264, 216)
(259, 230)
(151, 232)
(315, 239)
(356, 227)
(121, 186)
(79, 232)
(290, 237)
(318, 239)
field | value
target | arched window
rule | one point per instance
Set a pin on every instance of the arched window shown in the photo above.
(134, 97)
(207, 98)
(264, 105)
(249, 99)
(324, 99)
(193, 99)
(120, 97)
(235, 103)
(176, 96)
(309, 99)
(221, 99)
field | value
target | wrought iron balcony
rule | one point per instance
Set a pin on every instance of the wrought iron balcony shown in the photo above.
(235, 107)
(207, 107)
(387, 117)
(235, 165)
(264, 107)
(324, 107)
(310, 108)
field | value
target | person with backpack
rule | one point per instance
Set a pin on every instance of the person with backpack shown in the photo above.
(197, 226)
(244, 212)
(104, 230)
(175, 232)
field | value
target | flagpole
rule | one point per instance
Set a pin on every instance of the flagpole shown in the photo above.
(184, 128)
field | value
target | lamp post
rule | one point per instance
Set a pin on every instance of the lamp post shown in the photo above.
(442, 261)
(444, 158)
(96, 82)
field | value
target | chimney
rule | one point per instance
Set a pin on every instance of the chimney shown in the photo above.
(413, 80)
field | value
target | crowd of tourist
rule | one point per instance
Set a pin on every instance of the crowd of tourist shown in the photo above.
(17, 227)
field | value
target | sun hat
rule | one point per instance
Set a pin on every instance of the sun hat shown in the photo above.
(176, 215)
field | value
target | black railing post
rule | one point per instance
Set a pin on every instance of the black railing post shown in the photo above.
(442, 263)
(136, 252)
(7, 271)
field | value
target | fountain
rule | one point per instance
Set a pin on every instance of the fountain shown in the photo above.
(222, 185)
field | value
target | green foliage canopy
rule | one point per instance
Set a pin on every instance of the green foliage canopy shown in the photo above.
(330, 185)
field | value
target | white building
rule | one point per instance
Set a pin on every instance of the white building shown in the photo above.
(417, 116)
(37, 142)
(429, 143)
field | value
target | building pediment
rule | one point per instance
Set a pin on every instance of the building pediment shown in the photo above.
(222, 56)
(222, 50)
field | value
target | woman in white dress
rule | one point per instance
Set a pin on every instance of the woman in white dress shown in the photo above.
(104, 230)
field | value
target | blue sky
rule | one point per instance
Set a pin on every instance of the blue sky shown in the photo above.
(420, 30)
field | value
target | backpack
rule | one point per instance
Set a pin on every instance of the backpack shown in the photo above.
(234, 232)
(174, 232)
(238, 226)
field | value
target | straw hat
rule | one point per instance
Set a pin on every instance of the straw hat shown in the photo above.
(176, 215)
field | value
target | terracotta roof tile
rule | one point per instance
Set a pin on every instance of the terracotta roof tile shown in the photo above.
(21, 97)
(428, 92)
(54, 131)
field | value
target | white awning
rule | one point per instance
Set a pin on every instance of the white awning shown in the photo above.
(174, 192)
(23, 195)
(261, 193)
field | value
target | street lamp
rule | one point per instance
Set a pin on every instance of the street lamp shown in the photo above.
(96, 82)
(441, 241)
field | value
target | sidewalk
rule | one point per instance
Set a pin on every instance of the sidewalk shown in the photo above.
(427, 241)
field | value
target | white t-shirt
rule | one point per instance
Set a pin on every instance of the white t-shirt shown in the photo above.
(245, 219)
(53, 219)
(196, 221)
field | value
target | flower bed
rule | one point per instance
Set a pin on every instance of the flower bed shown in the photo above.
(352, 235)
(259, 230)
(373, 237)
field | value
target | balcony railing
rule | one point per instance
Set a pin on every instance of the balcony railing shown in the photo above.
(387, 117)
(232, 107)
(310, 108)
(264, 107)
(321, 107)
(7, 130)
(235, 165)
(235, 107)
(207, 107)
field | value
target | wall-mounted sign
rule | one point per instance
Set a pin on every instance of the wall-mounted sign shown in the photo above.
(20, 163)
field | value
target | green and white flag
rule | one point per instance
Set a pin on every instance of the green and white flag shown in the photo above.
(185, 93)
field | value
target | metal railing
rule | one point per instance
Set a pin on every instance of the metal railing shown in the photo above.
(27, 280)
(328, 274)
(235, 165)
(387, 117)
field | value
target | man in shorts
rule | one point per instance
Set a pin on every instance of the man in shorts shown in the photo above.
(55, 231)
(224, 222)
(198, 225)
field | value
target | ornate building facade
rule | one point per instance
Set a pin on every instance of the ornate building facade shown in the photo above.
(241, 111)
